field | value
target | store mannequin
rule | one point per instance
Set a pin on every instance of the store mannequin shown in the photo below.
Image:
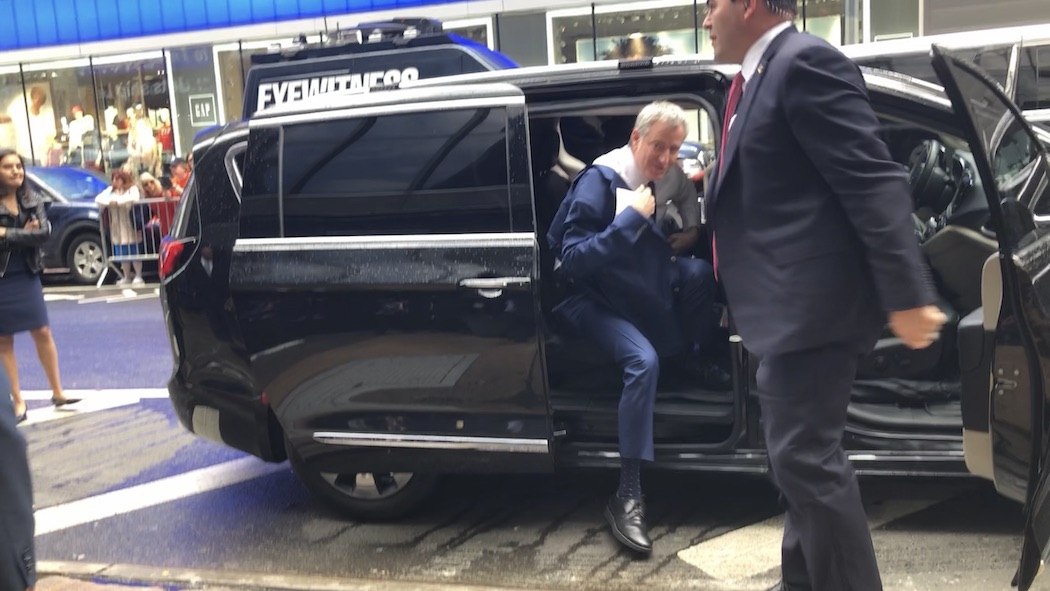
(165, 137)
(31, 130)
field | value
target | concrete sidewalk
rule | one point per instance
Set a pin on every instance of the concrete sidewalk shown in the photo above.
(79, 576)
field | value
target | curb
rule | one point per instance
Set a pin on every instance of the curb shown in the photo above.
(237, 581)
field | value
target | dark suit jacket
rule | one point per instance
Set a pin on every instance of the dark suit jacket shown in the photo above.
(17, 561)
(812, 218)
(620, 261)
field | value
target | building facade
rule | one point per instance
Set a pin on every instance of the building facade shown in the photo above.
(145, 75)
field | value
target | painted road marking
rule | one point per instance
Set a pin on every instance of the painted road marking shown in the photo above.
(158, 492)
(125, 295)
(91, 401)
(745, 553)
(61, 297)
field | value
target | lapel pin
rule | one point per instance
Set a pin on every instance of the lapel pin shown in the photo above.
(761, 68)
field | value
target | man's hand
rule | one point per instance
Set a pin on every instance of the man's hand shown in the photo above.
(645, 204)
(917, 327)
(33, 224)
(683, 241)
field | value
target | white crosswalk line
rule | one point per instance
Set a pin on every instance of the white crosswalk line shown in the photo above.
(742, 554)
(158, 492)
(61, 297)
(91, 401)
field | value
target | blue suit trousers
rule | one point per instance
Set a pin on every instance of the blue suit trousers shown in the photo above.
(695, 291)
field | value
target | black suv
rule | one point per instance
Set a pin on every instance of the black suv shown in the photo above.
(361, 284)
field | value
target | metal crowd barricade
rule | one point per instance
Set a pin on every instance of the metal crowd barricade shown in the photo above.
(146, 222)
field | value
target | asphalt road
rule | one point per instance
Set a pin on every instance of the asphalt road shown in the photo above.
(120, 482)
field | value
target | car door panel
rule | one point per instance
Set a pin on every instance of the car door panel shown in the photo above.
(386, 340)
(1011, 159)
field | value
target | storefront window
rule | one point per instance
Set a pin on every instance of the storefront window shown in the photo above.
(232, 62)
(62, 115)
(826, 19)
(893, 19)
(133, 95)
(14, 123)
(647, 29)
(478, 30)
(625, 31)
(567, 30)
(195, 93)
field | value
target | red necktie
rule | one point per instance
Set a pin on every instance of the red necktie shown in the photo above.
(735, 90)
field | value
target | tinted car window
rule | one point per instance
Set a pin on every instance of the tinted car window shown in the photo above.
(72, 183)
(1033, 83)
(420, 173)
(259, 204)
(1014, 153)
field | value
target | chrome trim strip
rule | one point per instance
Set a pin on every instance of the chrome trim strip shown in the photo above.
(418, 241)
(490, 444)
(350, 111)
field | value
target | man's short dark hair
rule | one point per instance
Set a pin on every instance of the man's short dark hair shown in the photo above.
(782, 7)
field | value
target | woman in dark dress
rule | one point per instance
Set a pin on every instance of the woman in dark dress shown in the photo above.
(23, 230)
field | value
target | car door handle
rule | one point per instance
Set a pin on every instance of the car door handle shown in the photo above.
(494, 282)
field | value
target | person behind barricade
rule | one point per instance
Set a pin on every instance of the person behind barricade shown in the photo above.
(180, 175)
(162, 206)
(118, 201)
(23, 230)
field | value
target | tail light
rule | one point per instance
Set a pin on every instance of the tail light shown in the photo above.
(170, 253)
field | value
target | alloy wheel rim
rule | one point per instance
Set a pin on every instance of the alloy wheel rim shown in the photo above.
(368, 486)
(87, 259)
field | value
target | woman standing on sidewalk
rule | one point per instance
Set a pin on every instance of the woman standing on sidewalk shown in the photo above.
(23, 229)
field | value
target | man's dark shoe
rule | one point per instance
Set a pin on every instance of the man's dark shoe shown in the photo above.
(627, 519)
(713, 377)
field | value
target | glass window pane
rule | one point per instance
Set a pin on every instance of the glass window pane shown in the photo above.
(1033, 81)
(823, 19)
(14, 122)
(572, 36)
(64, 129)
(136, 108)
(196, 105)
(421, 173)
(477, 30)
(647, 30)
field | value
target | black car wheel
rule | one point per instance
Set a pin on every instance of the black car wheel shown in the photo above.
(366, 496)
(85, 259)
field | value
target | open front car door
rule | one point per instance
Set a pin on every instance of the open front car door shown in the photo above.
(1015, 172)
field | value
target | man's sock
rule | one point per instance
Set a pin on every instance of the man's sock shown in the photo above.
(630, 479)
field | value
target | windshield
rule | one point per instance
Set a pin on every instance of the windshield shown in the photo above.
(75, 184)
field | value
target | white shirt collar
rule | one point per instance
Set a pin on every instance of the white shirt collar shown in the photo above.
(621, 160)
(758, 49)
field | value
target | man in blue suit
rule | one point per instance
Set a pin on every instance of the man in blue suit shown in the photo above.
(17, 559)
(632, 292)
(814, 246)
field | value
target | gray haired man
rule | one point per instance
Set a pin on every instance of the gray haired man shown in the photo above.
(633, 290)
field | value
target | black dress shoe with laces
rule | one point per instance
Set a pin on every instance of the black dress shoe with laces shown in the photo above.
(627, 519)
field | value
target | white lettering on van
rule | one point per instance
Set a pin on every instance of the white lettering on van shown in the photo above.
(287, 91)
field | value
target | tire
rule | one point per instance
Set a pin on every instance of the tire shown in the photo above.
(357, 496)
(84, 258)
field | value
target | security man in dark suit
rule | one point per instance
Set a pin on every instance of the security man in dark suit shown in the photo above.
(17, 558)
(814, 246)
(631, 293)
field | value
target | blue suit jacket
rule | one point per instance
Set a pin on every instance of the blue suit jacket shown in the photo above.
(619, 261)
(811, 216)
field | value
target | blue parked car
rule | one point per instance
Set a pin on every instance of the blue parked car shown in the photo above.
(75, 246)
